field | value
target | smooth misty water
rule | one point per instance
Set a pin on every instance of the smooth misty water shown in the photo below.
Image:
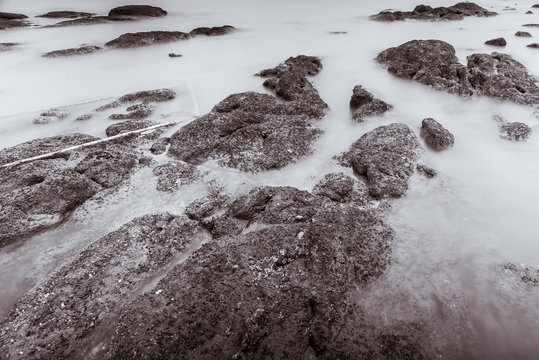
(452, 231)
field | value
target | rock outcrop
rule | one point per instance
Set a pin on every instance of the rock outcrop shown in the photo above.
(140, 104)
(138, 10)
(497, 42)
(65, 14)
(387, 157)
(523, 34)
(12, 20)
(435, 135)
(363, 104)
(12, 16)
(424, 12)
(433, 63)
(147, 38)
(83, 50)
(213, 31)
(254, 132)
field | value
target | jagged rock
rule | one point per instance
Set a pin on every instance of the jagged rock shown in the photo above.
(138, 10)
(81, 301)
(160, 146)
(128, 126)
(523, 34)
(146, 38)
(387, 157)
(50, 115)
(534, 45)
(172, 175)
(65, 14)
(363, 104)
(435, 135)
(424, 12)
(433, 63)
(12, 16)
(213, 31)
(83, 50)
(137, 111)
(496, 42)
(255, 132)
(516, 131)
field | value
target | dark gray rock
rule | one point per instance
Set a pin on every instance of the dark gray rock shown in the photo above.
(83, 50)
(213, 31)
(8, 24)
(426, 171)
(84, 117)
(137, 111)
(496, 42)
(143, 103)
(533, 45)
(50, 115)
(433, 63)
(128, 126)
(65, 14)
(523, 34)
(80, 303)
(341, 188)
(535, 6)
(363, 104)
(174, 174)
(529, 12)
(435, 135)
(12, 16)
(138, 39)
(387, 157)
(255, 132)
(516, 131)
(7, 46)
(91, 20)
(160, 146)
(531, 25)
(174, 55)
(109, 165)
(424, 12)
(137, 10)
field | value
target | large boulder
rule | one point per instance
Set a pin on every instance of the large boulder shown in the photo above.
(433, 63)
(424, 12)
(435, 135)
(363, 104)
(137, 10)
(146, 38)
(387, 156)
(254, 132)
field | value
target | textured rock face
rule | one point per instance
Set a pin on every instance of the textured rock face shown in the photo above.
(138, 10)
(496, 42)
(58, 319)
(41, 194)
(141, 103)
(174, 174)
(8, 24)
(146, 38)
(83, 50)
(424, 12)
(523, 34)
(127, 126)
(92, 20)
(433, 63)
(363, 104)
(387, 157)
(516, 131)
(254, 132)
(65, 14)
(435, 135)
(213, 31)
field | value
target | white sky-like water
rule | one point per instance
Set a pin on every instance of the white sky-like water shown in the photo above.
(452, 231)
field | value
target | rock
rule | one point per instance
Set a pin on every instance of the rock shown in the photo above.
(426, 171)
(433, 63)
(341, 188)
(516, 131)
(91, 20)
(8, 24)
(65, 14)
(531, 25)
(128, 126)
(12, 16)
(533, 46)
(435, 135)
(213, 31)
(529, 12)
(137, 111)
(174, 55)
(83, 50)
(137, 10)
(84, 117)
(496, 42)
(424, 12)
(145, 97)
(7, 46)
(526, 274)
(146, 38)
(387, 157)
(255, 132)
(363, 104)
(174, 174)
(109, 165)
(80, 303)
(50, 115)
(523, 34)
(535, 6)
(160, 146)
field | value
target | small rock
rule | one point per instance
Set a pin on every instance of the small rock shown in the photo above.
(523, 34)
(516, 131)
(7, 46)
(213, 31)
(531, 25)
(137, 111)
(12, 16)
(174, 55)
(128, 126)
(435, 135)
(533, 46)
(50, 115)
(160, 146)
(535, 6)
(427, 171)
(529, 12)
(496, 42)
(65, 14)
(363, 104)
(83, 50)
(84, 117)
(428, 13)
(137, 10)
(174, 174)
(130, 40)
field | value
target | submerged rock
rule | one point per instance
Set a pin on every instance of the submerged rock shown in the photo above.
(433, 63)
(172, 175)
(255, 132)
(128, 126)
(363, 104)
(137, 111)
(8, 24)
(213, 31)
(146, 38)
(90, 20)
(65, 14)
(496, 42)
(40, 194)
(83, 50)
(137, 10)
(424, 12)
(516, 131)
(50, 115)
(523, 34)
(387, 157)
(435, 135)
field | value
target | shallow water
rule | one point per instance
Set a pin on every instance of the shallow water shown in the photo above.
(452, 231)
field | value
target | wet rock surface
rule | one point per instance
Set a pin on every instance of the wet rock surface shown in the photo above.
(433, 63)
(40, 194)
(172, 175)
(254, 132)
(140, 104)
(80, 303)
(138, 39)
(435, 135)
(91, 20)
(12, 16)
(127, 126)
(137, 111)
(516, 131)
(137, 10)
(213, 31)
(424, 12)
(523, 34)
(387, 157)
(496, 42)
(50, 115)
(160, 146)
(65, 14)
(83, 50)
(363, 104)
